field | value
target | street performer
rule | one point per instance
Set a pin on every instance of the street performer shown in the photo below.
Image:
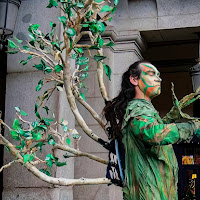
(151, 169)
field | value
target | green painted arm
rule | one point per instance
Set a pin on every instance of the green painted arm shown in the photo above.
(147, 129)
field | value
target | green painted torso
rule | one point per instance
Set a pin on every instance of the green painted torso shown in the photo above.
(151, 165)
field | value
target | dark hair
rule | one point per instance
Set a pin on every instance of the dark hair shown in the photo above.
(115, 109)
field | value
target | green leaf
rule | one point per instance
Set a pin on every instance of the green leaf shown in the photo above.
(65, 129)
(12, 52)
(47, 69)
(110, 19)
(58, 68)
(79, 50)
(12, 45)
(86, 68)
(26, 48)
(83, 96)
(98, 58)
(101, 42)
(114, 9)
(110, 44)
(22, 144)
(51, 142)
(16, 125)
(74, 55)
(38, 136)
(55, 44)
(68, 141)
(102, 27)
(107, 70)
(37, 115)
(94, 47)
(62, 19)
(36, 108)
(99, 1)
(39, 67)
(32, 37)
(71, 32)
(82, 60)
(89, 14)
(52, 3)
(75, 136)
(84, 75)
(49, 157)
(45, 171)
(84, 25)
(106, 8)
(17, 109)
(39, 86)
(60, 164)
(26, 158)
(47, 109)
(116, 2)
(34, 26)
(20, 41)
(35, 123)
(23, 113)
(15, 135)
(53, 25)
(80, 5)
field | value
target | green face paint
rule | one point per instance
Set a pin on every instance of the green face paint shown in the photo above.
(149, 82)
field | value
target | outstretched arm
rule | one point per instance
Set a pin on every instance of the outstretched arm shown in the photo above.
(149, 131)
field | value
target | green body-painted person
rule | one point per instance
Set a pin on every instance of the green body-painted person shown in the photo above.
(151, 170)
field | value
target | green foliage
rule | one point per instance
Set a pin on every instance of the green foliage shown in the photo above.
(46, 171)
(58, 68)
(107, 8)
(82, 60)
(24, 62)
(21, 111)
(68, 141)
(39, 86)
(51, 140)
(12, 45)
(98, 58)
(28, 158)
(15, 135)
(42, 66)
(71, 32)
(110, 44)
(49, 159)
(62, 19)
(107, 70)
(83, 96)
(52, 3)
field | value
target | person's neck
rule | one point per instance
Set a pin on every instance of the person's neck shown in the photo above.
(140, 95)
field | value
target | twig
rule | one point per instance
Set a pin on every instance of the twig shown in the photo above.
(8, 165)
(79, 153)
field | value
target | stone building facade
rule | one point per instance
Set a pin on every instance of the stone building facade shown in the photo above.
(163, 32)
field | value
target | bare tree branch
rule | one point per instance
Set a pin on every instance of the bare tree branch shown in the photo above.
(8, 165)
(79, 153)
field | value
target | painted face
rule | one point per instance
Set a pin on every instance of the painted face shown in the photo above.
(150, 81)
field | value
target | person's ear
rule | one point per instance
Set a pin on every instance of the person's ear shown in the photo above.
(134, 80)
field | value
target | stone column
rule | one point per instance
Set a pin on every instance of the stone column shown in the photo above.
(19, 183)
(128, 49)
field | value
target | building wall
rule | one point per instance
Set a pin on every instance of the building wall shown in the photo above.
(132, 16)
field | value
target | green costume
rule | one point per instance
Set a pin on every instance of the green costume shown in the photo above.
(151, 166)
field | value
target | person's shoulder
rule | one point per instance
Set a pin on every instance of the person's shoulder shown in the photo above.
(138, 107)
